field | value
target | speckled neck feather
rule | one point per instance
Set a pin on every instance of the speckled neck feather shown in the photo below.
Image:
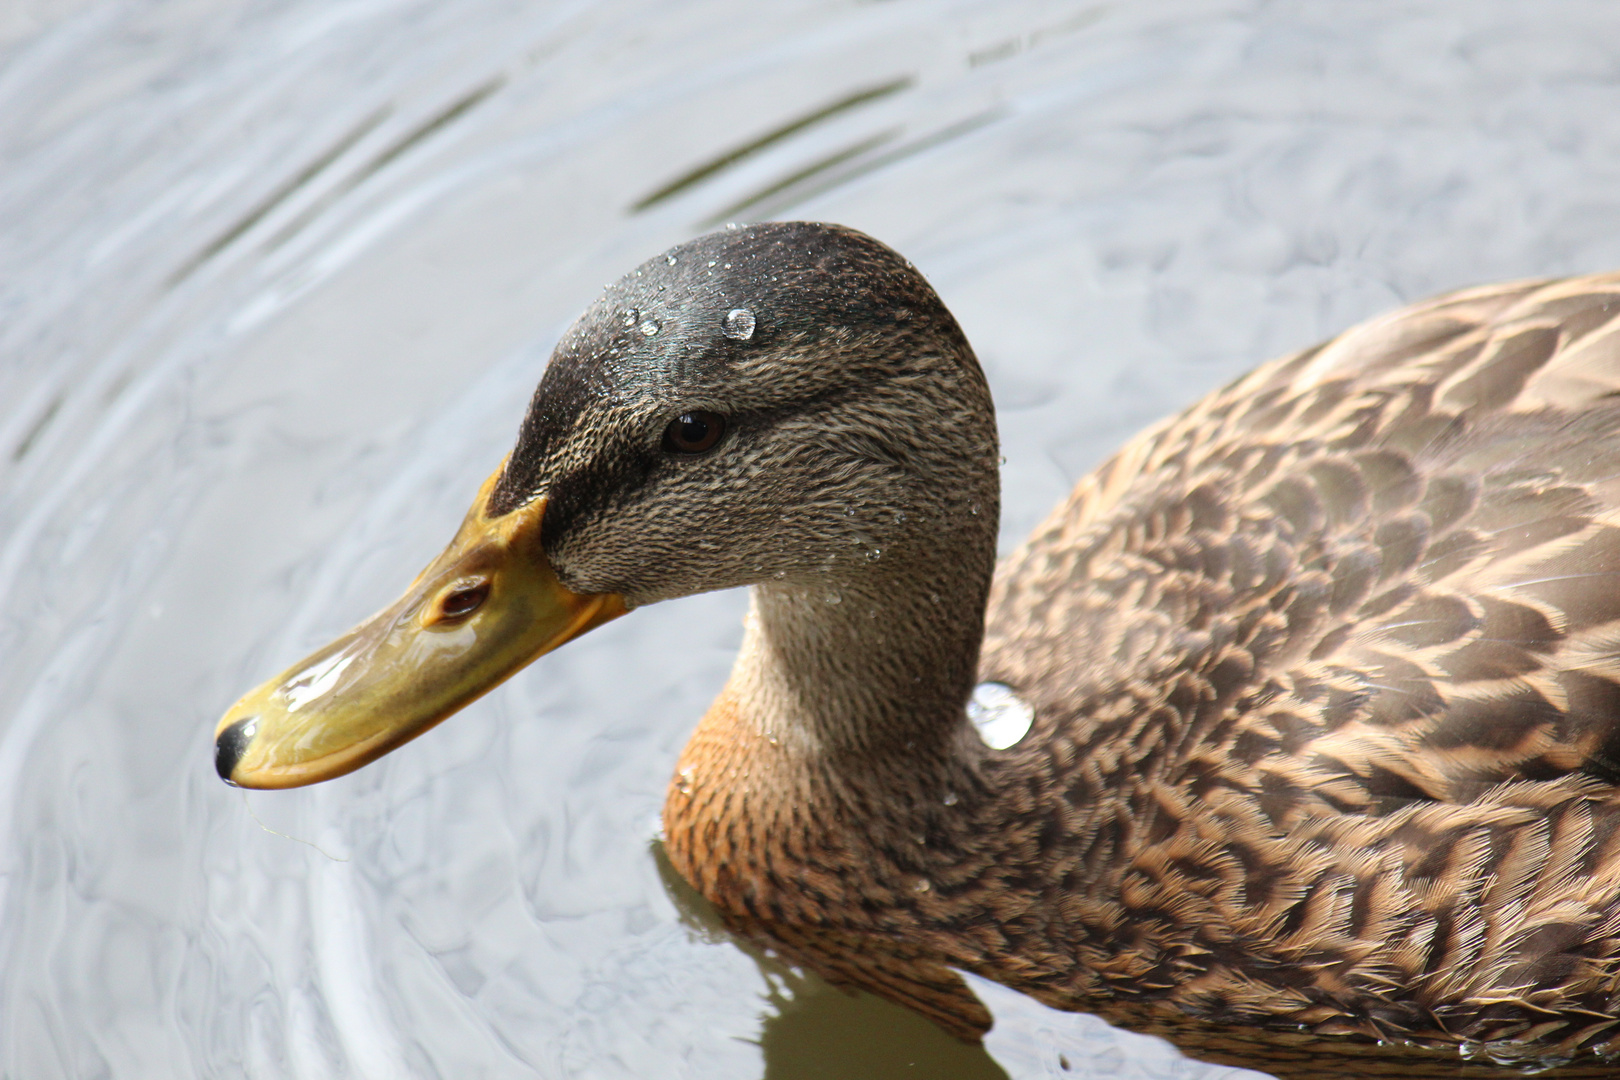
(879, 664)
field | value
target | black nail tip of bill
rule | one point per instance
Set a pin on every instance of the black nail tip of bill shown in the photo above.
(232, 744)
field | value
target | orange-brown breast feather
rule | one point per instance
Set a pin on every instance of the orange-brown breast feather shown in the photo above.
(769, 842)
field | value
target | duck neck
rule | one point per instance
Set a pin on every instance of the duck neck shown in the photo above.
(877, 660)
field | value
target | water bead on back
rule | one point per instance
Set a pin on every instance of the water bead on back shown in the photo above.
(1000, 715)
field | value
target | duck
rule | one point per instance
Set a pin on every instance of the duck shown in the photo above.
(1320, 677)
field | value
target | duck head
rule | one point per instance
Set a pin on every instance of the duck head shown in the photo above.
(782, 405)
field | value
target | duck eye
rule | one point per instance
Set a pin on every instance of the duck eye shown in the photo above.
(694, 432)
(464, 600)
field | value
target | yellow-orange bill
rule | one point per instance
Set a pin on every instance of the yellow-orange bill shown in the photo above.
(482, 610)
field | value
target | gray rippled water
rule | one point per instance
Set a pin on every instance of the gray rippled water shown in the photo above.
(276, 281)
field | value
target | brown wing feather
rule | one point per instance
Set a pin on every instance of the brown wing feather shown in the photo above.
(1330, 666)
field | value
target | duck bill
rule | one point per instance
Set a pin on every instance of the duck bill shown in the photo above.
(483, 609)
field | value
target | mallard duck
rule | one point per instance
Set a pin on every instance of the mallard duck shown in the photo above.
(1322, 675)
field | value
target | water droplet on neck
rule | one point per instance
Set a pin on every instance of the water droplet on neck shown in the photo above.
(1001, 717)
(834, 598)
(650, 327)
(923, 885)
(738, 324)
(875, 554)
(951, 798)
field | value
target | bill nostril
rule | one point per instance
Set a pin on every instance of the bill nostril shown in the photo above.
(465, 600)
(232, 744)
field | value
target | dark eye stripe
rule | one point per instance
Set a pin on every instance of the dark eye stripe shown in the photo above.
(694, 432)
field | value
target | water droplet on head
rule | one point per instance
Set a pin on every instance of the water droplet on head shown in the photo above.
(973, 508)
(875, 554)
(1003, 460)
(631, 316)
(1000, 715)
(649, 327)
(670, 259)
(711, 262)
(923, 885)
(738, 324)
(951, 798)
(834, 598)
